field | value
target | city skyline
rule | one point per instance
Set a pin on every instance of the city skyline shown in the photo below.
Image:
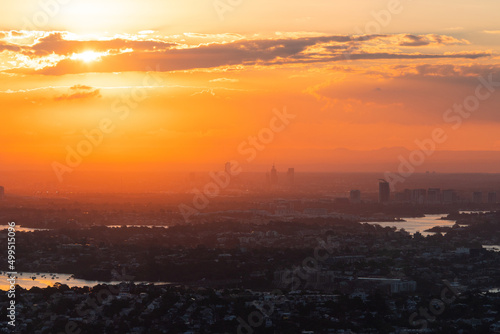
(359, 91)
(237, 166)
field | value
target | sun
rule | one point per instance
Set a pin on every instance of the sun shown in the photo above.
(88, 56)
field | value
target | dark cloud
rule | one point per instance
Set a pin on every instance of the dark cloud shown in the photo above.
(450, 71)
(384, 55)
(412, 40)
(9, 47)
(149, 54)
(432, 39)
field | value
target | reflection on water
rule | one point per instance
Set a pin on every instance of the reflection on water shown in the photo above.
(42, 280)
(22, 229)
(493, 248)
(29, 229)
(420, 224)
(149, 226)
(469, 212)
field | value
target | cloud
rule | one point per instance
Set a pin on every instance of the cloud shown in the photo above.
(205, 92)
(224, 80)
(426, 40)
(145, 55)
(82, 92)
(420, 92)
(412, 40)
(83, 87)
(495, 32)
(451, 71)
(57, 44)
(9, 47)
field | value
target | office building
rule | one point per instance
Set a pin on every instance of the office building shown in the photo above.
(492, 198)
(434, 196)
(355, 196)
(418, 196)
(477, 197)
(384, 191)
(449, 196)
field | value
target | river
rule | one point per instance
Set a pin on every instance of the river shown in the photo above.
(22, 229)
(420, 224)
(42, 280)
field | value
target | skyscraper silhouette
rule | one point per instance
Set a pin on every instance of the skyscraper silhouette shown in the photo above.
(274, 176)
(384, 191)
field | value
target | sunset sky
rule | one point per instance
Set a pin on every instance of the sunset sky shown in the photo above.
(183, 84)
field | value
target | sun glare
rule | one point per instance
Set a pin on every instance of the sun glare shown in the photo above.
(88, 56)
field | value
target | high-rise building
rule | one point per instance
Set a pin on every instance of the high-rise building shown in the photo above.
(449, 196)
(274, 176)
(492, 198)
(407, 195)
(418, 196)
(477, 197)
(355, 196)
(384, 191)
(433, 195)
(290, 175)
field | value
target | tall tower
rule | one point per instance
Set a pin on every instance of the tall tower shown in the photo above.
(384, 191)
(274, 176)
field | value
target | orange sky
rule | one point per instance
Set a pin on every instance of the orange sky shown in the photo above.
(186, 83)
